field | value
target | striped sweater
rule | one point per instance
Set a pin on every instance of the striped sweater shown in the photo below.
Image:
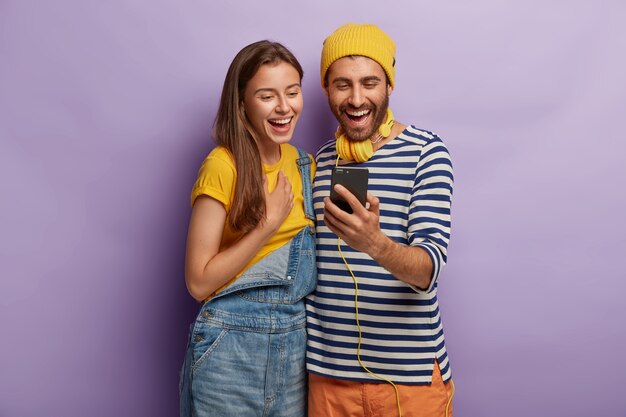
(401, 328)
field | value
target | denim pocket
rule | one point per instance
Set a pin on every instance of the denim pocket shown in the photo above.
(306, 274)
(267, 294)
(206, 338)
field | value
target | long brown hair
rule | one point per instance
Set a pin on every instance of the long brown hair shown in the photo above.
(233, 131)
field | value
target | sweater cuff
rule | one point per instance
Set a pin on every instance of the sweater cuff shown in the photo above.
(436, 263)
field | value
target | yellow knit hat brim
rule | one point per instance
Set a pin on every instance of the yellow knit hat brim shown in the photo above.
(359, 39)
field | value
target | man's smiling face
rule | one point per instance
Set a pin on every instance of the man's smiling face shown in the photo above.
(358, 95)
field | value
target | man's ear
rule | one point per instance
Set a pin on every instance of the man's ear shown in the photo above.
(389, 90)
(326, 91)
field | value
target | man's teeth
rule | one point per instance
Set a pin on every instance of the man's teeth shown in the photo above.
(281, 121)
(358, 113)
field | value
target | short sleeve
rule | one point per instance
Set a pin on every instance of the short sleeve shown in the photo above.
(216, 179)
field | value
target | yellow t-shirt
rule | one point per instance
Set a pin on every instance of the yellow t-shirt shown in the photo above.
(217, 177)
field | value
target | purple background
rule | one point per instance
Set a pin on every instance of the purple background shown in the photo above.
(105, 115)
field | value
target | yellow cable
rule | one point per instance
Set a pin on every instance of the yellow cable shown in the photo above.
(450, 399)
(358, 326)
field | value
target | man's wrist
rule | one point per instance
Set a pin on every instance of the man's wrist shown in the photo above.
(382, 245)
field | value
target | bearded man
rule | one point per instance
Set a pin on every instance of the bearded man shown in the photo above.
(375, 337)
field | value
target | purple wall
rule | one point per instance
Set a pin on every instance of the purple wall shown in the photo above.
(105, 115)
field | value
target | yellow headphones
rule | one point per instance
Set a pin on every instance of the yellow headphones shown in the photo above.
(361, 151)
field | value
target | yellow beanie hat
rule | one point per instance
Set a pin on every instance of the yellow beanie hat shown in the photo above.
(359, 39)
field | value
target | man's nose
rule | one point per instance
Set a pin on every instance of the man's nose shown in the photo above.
(356, 98)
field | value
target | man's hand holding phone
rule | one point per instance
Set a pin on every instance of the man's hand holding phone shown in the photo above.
(354, 179)
(358, 226)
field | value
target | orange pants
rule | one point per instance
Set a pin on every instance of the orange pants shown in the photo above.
(330, 397)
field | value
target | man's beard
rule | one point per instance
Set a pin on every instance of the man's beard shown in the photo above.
(377, 114)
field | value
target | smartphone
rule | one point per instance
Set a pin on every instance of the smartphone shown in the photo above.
(354, 179)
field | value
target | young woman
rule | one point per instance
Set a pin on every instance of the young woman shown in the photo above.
(250, 248)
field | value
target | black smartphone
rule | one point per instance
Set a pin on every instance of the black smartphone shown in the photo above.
(354, 179)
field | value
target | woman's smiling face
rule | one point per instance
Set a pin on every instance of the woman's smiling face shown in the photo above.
(273, 103)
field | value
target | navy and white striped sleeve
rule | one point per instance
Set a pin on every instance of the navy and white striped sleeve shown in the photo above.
(429, 210)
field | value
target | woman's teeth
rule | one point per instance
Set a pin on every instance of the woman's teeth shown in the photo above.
(281, 121)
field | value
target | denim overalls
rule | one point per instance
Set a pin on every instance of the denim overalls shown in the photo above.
(247, 347)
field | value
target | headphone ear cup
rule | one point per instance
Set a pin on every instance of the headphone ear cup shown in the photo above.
(354, 151)
(363, 150)
(385, 129)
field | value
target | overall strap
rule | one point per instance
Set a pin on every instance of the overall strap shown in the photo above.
(304, 166)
